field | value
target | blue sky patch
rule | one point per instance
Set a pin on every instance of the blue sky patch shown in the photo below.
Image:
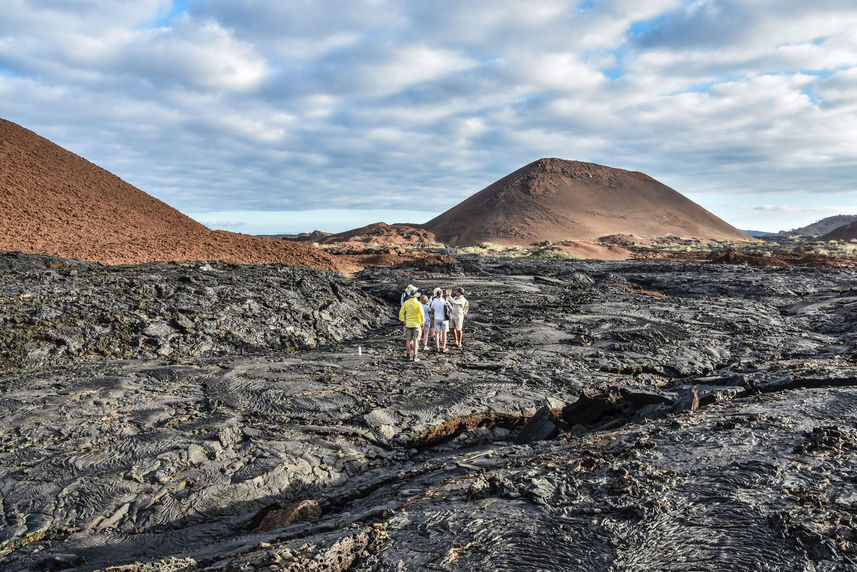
(645, 27)
(613, 73)
(179, 8)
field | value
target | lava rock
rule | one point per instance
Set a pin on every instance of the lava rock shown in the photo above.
(542, 425)
(175, 407)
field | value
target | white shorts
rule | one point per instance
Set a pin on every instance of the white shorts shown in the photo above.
(457, 323)
(441, 325)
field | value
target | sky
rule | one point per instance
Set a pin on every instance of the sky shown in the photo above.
(272, 116)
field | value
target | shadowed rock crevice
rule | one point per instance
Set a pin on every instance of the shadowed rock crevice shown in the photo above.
(452, 428)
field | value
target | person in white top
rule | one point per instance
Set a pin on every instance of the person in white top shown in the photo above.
(440, 316)
(460, 307)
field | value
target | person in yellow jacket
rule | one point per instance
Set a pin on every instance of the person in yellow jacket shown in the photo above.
(411, 313)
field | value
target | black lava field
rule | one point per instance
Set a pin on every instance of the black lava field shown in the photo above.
(600, 416)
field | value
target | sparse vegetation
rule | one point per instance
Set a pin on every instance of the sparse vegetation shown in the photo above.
(513, 251)
(549, 253)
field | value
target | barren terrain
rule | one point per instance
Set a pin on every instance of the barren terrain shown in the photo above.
(165, 405)
(600, 416)
(54, 202)
(556, 200)
(844, 232)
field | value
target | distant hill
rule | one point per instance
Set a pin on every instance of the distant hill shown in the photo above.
(846, 232)
(761, 233)
(555, 199)
(379, 233)
(822, 226)
(55, 202)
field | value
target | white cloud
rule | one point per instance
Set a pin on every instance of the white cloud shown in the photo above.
(408, 66)
(563, 72)
(110, 47)
(205, 56)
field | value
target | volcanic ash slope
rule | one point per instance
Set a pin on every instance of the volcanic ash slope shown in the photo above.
(555, 199)
(56, 203)
(844, 232)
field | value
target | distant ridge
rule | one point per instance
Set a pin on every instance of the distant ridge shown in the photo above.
(57, 203)
(823, 226)
(556, 199)
(761, 233)
(846, 232)
(379, 233)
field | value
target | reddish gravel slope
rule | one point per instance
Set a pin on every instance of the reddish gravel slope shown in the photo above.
(555, 200)
(55, 202)
(844, 232)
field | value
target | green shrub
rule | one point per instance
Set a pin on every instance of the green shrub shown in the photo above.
(555, 254)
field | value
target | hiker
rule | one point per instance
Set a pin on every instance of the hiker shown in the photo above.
(427, 325)
(409, 289)
(411, 313)
(440, 320)
(407, 293)
(460, 307)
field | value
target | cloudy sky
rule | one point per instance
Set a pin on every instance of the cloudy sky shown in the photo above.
(266, 116)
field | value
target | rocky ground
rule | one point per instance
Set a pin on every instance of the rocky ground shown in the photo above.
(601, 416)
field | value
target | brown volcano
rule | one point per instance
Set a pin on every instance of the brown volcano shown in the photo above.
(54, 202)
(845, 232)
(379, 233)
(555, 200)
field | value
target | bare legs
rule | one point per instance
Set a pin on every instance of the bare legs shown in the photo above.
(440, 340)
(412, 348)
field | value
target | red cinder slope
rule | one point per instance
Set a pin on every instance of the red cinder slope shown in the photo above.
(844, 232)
(55, 202)
(555, 199)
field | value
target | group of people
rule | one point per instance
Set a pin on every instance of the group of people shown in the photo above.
(423, 317)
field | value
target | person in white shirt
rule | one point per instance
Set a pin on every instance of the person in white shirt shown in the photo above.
(460, 307)
(440, 315)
